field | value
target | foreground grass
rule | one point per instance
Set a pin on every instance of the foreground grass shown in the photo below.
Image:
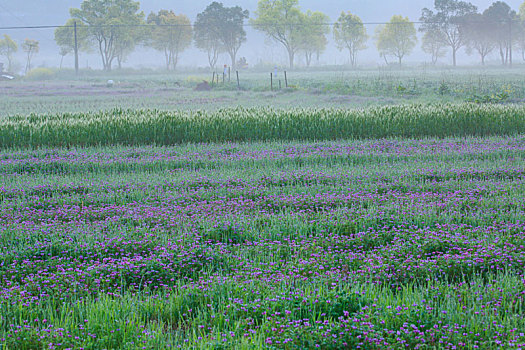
(145, 127)
(377, 244)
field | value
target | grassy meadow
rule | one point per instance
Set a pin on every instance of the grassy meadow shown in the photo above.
(62, 92)
(393, 222)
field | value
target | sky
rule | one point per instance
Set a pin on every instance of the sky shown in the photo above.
(56, 12)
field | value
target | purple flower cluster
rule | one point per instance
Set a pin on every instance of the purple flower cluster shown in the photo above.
(371, 244)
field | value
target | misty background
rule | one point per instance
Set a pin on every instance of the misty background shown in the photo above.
(257, 49)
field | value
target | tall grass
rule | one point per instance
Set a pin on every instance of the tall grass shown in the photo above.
(130, 127)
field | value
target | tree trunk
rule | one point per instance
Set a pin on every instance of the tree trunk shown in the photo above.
(213, 56)
(109, 63)
(454, 51)
(308, 59)
(174, 61)
(352, 57)
(101, 54)
(400, 60)
(167, 58)
(291, 57)
(233, 56)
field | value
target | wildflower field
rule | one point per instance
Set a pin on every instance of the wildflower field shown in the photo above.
(269, 244)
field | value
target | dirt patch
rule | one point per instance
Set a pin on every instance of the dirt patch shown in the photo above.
(80, 89)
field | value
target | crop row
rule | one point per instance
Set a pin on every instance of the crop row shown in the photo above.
(259, 124)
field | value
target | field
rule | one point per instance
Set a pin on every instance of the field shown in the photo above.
(65, 93)
(263, 226)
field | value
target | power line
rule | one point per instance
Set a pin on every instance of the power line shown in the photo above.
(244, 25)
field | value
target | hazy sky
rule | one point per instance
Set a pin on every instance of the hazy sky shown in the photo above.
(56, 12)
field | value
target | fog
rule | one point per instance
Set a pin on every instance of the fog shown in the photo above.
(257, 49)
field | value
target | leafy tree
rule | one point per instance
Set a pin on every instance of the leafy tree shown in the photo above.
(396, 38)
(7, 48)
(281, 21)
(500, 18)
(207, 39)
(65, 38)
(31, 48)
(171, 35)
(479, 34)
(519, 32)
(226, 26)
(313, 34)
(433, 44)
(112, 26)
(447, 20)
(350, 34)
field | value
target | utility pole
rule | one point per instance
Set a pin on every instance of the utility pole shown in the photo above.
(76, 49)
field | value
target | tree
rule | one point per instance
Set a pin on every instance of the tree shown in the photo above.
(31, 48)
(479, 34)
(281, 21)
(499, 17)
(447, 21)
(112, 26)
(433, 44)
(7, 48)
(350, 34)
(519, 32)
(313, 34)
(172, 35)
(207, 39)
(65, 38)
(396, 38)
(226, 26)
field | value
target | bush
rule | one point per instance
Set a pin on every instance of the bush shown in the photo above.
(40, 74)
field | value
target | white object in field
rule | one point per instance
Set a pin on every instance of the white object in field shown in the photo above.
(7, 76)
(110, 83)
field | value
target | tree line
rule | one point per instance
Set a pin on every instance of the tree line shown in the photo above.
(113, 28)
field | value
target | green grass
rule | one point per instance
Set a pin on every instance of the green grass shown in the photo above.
(142, 127)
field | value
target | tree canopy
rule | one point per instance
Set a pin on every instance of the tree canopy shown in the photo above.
(479, 35)
(171, 34)
(281, 21)
(350, 34)
(206, 38)
(433, 44)
(8, 47)
(65, 37)
(396, 38)
(446, 23)
(313, 34)
(499, 18)
(225, 26)
(113, 26)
